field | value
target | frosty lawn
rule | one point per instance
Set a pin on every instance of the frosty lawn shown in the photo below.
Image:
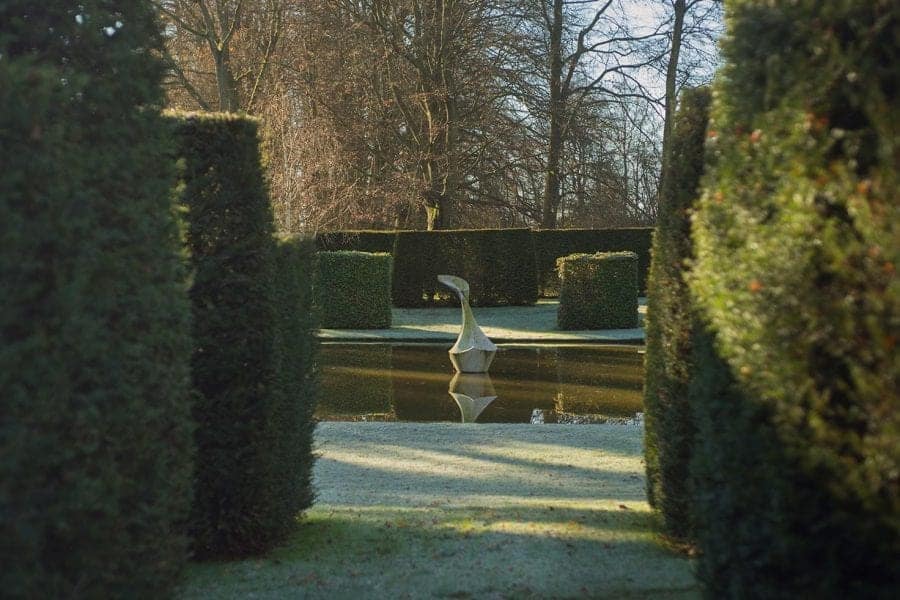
(410, 510)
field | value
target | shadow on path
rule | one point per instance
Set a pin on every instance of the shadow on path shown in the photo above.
(467, 511)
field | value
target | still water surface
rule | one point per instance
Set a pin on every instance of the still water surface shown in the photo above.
(377, 382)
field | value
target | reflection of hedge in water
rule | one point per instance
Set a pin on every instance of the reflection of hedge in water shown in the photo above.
(413, 381)
(609, 382)
(426, 408)
(422, 377)
(356, 380)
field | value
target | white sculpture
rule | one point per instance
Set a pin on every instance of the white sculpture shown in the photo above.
(473, 351)
(473, 392)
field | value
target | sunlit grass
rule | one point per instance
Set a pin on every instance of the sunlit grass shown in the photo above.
(435, 511)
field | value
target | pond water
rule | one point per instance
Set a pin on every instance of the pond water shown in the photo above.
(567, 384)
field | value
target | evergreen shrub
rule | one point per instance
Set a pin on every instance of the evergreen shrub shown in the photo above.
(796, 244)
(245, 495)
(354, 290)
(552, 244)
(290, 422)
(497, 263)
(739, 481)
(668, 429)
(358, 240)
(598, 291)
(95, 433)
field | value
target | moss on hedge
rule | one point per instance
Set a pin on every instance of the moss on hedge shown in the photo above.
(354, 290)
(740, 488)
(290, 422)
(598, 291)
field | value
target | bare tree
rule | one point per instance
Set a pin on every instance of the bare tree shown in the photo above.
(440, 113)
(592, 54)
(225, 46)
(696, 24)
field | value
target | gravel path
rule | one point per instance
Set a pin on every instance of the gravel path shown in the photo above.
(408, 510)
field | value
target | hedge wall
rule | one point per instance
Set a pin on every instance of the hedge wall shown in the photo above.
(598, 291)
(482, 253)
(245, 492)
(354, 290)
(360, 241)
(738, 483)
(668, 429)
(797, 248)
(551, 244)
(290, 422)
(498, 264)
(95, 434)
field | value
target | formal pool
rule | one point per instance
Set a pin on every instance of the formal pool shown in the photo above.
(416, 382)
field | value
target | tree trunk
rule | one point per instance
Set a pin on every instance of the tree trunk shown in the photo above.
(435, 210)
(671, 76)
(550, 201)
(225, 84)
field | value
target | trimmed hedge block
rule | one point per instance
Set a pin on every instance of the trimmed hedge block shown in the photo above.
(295, 392)
(598, 291)
(669, 430)
(354, 290)
(361, 241)
(96, 447)
(252, 362)
(796, 245)
(739, 481)
(497, 263)
(552, 244)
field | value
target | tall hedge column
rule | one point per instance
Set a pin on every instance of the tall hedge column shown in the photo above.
(797, 242)
(95, 433)
(669, 431)
(249, 376)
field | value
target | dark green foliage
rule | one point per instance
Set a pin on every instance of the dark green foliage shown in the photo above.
(797, 248)
(243, 336)
(361, 241)
(552, 244)
(354, 290)
(739, 487)
(95, 434)
(598, 291)
(290, 423)
(497, 263)
(668, 431)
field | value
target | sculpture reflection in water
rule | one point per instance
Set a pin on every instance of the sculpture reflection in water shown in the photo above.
(410, 383)
(472, 392)
(473, 351)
